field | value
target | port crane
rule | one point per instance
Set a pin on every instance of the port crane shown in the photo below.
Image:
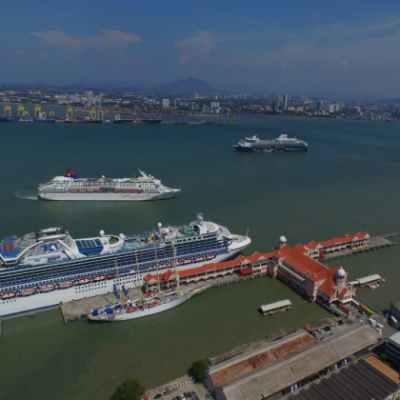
(7, 110)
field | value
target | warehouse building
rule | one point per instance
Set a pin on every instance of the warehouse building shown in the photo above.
(273, 368)
(360, 381)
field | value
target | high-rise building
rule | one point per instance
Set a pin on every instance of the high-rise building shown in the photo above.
(214, 105)
(320, 105)
(165, 103)
(282, 102)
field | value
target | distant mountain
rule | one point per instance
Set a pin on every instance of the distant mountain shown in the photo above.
(190, 85)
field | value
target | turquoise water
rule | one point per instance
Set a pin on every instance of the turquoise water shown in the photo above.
(348, 181)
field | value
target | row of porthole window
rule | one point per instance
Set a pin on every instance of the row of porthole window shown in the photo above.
(7, 301)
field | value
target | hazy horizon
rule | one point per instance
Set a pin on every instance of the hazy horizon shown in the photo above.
(343, 49)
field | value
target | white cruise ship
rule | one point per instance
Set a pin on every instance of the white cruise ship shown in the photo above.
(71, 187)
(46, 267)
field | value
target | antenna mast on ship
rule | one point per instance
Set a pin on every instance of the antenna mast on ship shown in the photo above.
(119, 283)
(176, 268)
(158, 273)
(137, 269)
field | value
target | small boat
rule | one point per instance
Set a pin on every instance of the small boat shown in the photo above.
(65, 285)
(116, 313)
(83, 281)
(27, 292)
(8, 295)
(110, 276)
(99, 278)
(47, 288)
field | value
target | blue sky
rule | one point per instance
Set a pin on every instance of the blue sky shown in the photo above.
(338, 48)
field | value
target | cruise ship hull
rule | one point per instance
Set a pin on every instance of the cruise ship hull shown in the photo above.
(106, 196)
(38, 301)
(270, 149)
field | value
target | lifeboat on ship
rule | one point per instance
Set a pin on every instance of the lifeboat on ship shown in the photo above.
(47, 288)
(116, 190)
(148, 295)
(133, 190)
(83, 281)
(210, 257)
(152, 304)
(110, 276)
(27, 292)
(188, 261)
(99, 278)
(8, 295)
(65, 285)
(131, 309)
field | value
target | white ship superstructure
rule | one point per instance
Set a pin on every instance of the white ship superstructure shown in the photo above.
(71, 187)
(43, 268)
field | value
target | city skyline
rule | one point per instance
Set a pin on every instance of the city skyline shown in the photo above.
(341, 49)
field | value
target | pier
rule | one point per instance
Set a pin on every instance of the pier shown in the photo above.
(376, 243)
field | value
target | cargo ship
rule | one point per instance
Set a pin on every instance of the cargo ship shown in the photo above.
(281, 144)
(71, 187)
(46, 267)
(136, 121)
(27, 120)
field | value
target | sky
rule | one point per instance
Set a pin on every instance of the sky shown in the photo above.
(338, 48)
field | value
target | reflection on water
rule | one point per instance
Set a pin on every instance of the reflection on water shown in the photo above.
(345, 183)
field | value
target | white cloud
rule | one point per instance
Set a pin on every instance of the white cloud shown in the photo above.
(108, 37)
(195, 47)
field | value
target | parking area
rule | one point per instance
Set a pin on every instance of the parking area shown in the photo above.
(189, 391)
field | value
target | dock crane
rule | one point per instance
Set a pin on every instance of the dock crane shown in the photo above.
(37, 110)
(93, 113)
(7, 110)
(70, 113)
(100, 113)
(21, 111)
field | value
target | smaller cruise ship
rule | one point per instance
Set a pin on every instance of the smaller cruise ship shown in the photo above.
(281, 144)
(73, 188)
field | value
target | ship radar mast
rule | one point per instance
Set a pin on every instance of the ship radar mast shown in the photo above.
(200, 218)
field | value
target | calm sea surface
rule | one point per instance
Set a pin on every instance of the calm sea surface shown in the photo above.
(348, 181)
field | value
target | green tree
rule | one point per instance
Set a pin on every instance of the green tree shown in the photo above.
(199, 369)
(129, 389)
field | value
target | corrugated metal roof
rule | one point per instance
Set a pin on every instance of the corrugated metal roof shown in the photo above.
(221, 374)
(277, 304)
(276, 376)
(359, 381)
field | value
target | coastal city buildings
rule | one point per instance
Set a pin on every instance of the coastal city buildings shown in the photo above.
(194, 103)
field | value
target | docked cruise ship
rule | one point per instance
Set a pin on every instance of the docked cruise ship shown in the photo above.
(43, 268)
(281, 144)
(73, 188)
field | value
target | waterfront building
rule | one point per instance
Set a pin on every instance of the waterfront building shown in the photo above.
(296, 266)
(165, 103)
(394, 312)
(272, 368)
(393, 348)
(367, 379)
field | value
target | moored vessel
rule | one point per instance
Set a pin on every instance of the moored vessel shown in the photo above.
(71, 187)
(136, 121)
(279, 145)
(53, 267)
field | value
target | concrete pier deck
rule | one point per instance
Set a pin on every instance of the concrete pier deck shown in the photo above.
(76, 309)
(376, 243)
